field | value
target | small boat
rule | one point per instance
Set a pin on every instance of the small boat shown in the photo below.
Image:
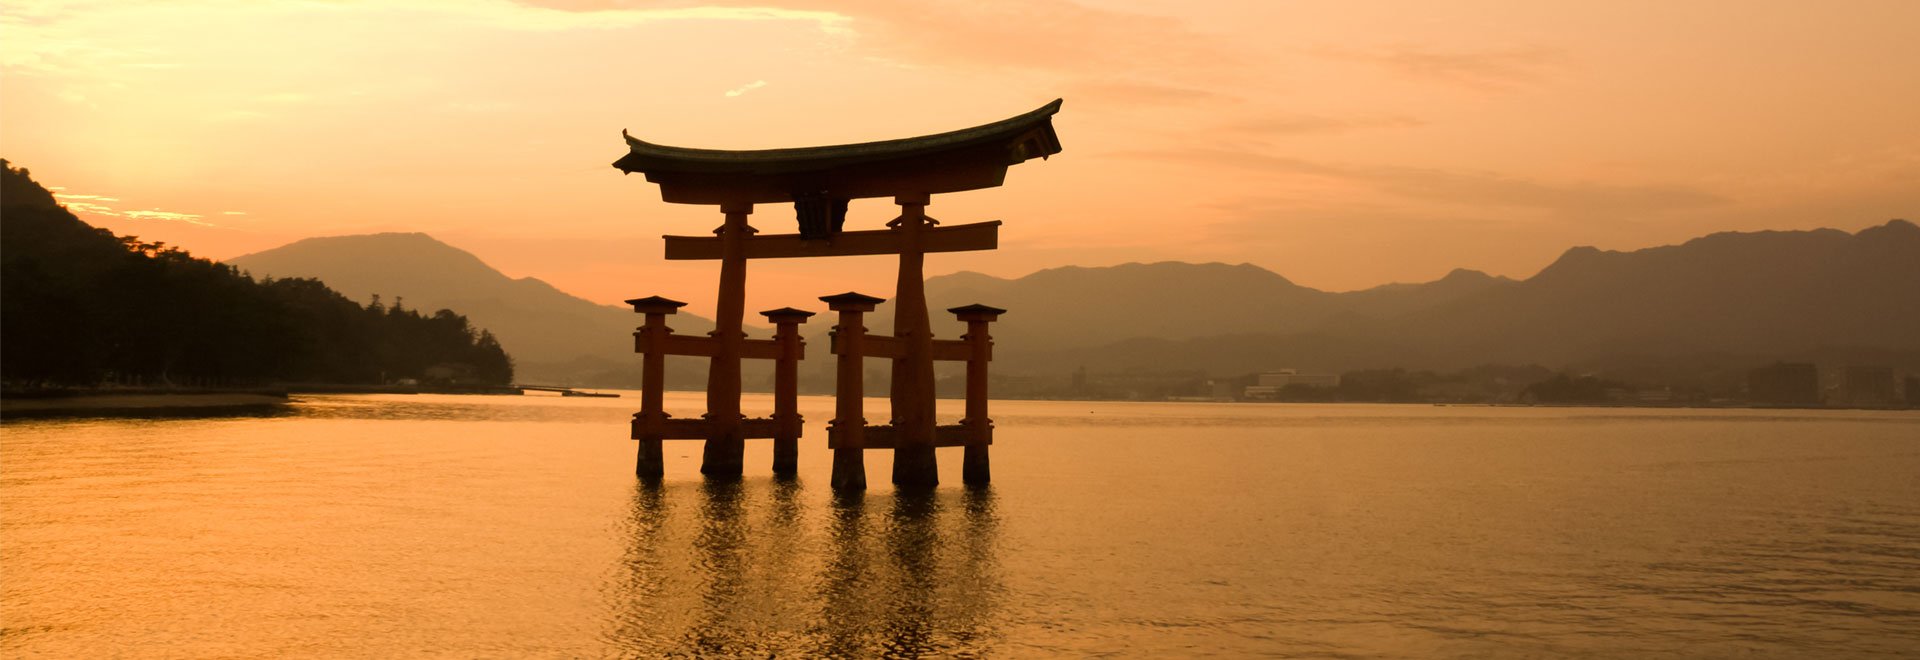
(607, 395)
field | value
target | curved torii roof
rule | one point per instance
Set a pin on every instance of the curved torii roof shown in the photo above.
(966, 159)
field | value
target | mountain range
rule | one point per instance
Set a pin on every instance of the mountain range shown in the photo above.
(1766, 294)
(553, 337)
(1755, 295)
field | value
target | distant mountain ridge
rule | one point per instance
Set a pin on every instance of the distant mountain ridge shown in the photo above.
(1763, 293)
(1076, 306)
(1779, 294)
(550, 334)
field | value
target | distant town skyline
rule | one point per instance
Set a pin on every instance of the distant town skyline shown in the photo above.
(1341, 145)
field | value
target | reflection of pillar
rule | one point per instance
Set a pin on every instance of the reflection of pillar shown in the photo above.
(847, 589)
(975, 469)
(786, 388)
(848, 430)
(644, 579)
(722, 457)
(651, 342)
(913, 541)
(912, 391)
(722, 550)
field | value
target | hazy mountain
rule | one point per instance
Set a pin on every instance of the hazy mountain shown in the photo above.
(550, 334)
(1763, 293)
(1074, 307)
(1389, 300)
(1769, 292)
(1736, 295)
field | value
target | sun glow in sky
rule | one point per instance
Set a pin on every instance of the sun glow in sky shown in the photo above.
(1341, 144)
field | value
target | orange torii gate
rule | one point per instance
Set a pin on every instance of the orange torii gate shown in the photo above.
(819, 181)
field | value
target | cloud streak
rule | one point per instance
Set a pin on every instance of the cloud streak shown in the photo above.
(1484, 70)
(95, 205)
(1056, 35)
(1467, 188)
(757, 84)
(1288, 125)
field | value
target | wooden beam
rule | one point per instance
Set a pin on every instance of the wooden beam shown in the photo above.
(956, 238)
(952, 350)
(698, 429)
(883, 436)
(884, 346)
(753, 349)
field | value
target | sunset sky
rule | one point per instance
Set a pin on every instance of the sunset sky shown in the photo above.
(1341, 144)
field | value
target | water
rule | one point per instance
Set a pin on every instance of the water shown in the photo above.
(511, 527)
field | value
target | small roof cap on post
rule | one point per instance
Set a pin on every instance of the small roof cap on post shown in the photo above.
(786, 315)
(851, 302)
(977, 312)
(656, 305)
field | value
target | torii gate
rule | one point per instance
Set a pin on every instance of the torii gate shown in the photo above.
(819, 181)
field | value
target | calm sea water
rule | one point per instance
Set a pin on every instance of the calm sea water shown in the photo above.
(511, 527)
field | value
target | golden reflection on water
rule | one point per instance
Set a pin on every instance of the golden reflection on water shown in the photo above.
(745, 569)
(512, 527)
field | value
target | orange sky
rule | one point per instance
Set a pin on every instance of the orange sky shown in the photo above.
(1341, 144)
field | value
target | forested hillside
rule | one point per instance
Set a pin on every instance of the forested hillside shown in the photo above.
(80, 306)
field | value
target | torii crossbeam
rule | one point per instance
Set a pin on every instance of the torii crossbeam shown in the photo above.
(819, 181)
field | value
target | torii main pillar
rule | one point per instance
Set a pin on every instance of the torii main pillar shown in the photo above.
(724, 453)
(912, 390)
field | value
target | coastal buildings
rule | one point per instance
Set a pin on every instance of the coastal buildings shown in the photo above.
(1269, 383)
(1865, 386)
(1784, 384)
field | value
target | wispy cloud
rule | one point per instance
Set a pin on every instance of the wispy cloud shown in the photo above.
(58, 39)
(170, 216)
(1461, 187)
(608, 15)
(757, 84)
(91, 198)
(1057, 35)
(97, 205)
(1294, 124)
(1485, 69)
(1143, 93)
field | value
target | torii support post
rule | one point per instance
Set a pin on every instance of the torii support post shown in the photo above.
(976, 468)
(786, 388)
(914, 464)
(650, 340)
(725, 442)
(849, 417)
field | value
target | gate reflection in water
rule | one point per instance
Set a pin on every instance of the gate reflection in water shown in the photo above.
(746, 569)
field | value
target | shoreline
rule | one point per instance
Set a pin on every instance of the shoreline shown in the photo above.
(162, 402)
(136, 404)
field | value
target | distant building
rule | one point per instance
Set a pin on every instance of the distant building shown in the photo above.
(1784, 384)
(1270, 383)
(1866, 386)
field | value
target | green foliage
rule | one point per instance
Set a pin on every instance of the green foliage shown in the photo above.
(81, 306)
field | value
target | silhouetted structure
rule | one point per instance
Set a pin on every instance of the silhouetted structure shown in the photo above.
(82, 307)
(1269, 383)
(1784, 384)
(819, 181)
(1866, 386)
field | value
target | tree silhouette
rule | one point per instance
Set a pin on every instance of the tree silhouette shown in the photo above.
(81, 306)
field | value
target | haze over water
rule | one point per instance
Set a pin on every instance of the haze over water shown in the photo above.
(508, 527)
